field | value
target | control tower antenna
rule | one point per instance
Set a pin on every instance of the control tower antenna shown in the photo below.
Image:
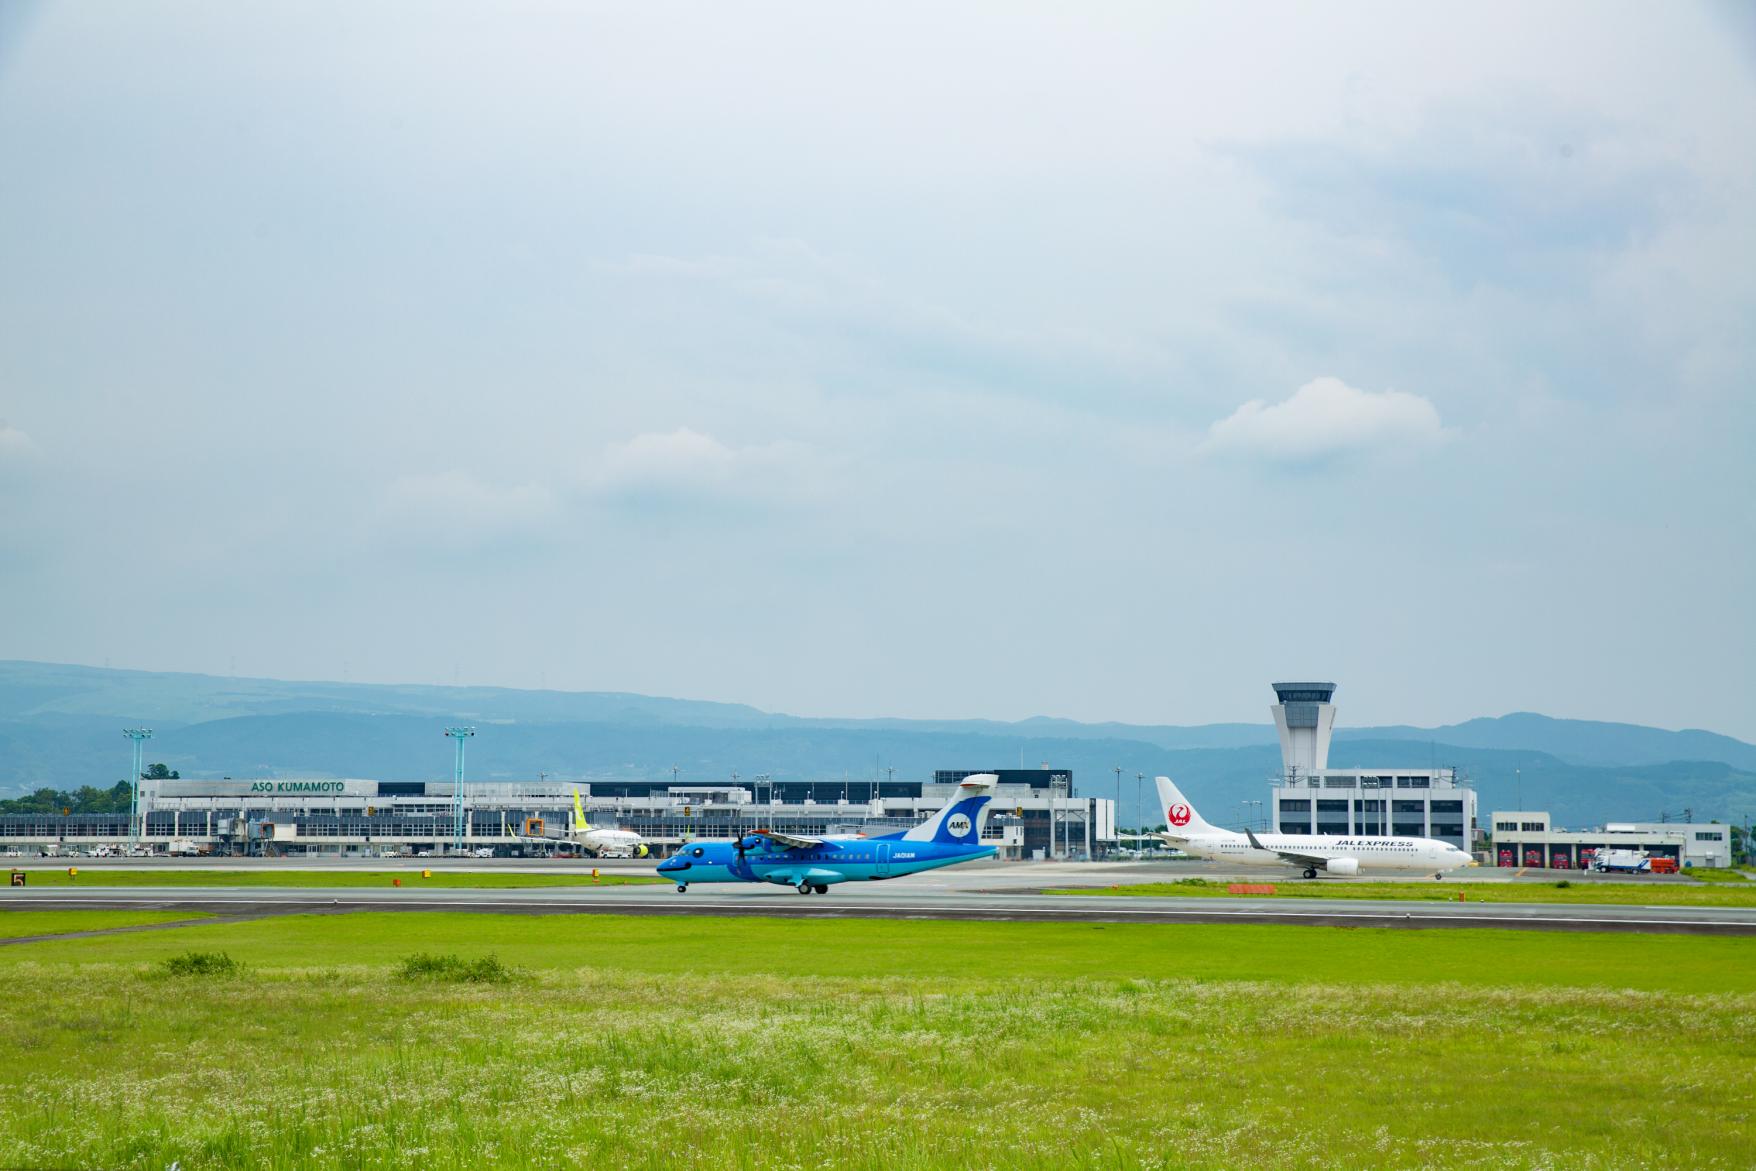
(459, 734)
(137, 735)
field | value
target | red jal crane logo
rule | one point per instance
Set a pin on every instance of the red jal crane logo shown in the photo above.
(1179, 815)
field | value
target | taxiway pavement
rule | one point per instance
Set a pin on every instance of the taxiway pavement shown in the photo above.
(968, 893)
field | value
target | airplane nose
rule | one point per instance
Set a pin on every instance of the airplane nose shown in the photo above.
(672, 865)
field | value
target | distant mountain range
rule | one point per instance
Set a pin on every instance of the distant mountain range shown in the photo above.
(60, 727)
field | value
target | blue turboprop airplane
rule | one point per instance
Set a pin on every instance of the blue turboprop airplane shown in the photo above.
(811, 865)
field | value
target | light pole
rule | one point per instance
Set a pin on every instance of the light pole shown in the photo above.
(760, 778)
(1118, 808)
(137, 735)
(1251, 817)
(1140, 804)
(1057, 819)
(459, 734)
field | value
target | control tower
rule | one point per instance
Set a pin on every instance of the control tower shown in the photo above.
(1305, 717)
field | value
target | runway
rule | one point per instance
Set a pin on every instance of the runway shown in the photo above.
(973, 895)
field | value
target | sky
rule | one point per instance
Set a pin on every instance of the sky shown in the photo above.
(1105, 361)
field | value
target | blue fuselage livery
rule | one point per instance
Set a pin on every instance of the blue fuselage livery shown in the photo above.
(814, 864)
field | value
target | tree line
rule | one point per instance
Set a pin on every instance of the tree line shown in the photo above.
(85, 799)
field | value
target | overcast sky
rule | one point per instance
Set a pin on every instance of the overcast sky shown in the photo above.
(1103, 361)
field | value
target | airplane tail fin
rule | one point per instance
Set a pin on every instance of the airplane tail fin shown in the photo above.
(960, 822)
(580, 825)
(1179, 815)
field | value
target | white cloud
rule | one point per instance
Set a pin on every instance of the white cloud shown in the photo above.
(689, 464)
(1324, 419)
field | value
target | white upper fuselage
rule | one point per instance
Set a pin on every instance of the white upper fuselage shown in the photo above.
(600, 840)
(1427, 855)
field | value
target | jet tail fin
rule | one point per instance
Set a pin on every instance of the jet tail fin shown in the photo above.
(961, 819)
(1179, 814)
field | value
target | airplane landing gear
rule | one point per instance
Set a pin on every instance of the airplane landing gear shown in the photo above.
(1310, 872)
(805, 888)
(822, 888)
(682, 888)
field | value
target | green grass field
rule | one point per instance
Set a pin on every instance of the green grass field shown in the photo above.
(639, 1042)
(1667, 894)
(23, 924)
(44, 876)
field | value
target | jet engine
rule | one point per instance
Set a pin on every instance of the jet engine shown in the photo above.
(1343, 866)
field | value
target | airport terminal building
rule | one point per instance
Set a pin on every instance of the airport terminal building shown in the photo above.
(1035, 814)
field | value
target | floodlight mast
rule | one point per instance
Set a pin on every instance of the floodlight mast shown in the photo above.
(459, 734)
(137, 735)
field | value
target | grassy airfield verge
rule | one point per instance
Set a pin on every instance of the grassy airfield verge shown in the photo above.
(1717, 893)
(43, 876)
(453, 1040)
(24, 924)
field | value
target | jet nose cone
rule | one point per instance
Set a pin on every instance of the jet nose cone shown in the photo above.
(672, 865)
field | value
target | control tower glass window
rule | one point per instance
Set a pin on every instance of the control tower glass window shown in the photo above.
(1290, 693)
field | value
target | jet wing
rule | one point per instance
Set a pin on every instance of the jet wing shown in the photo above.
(790, 841)
(1288, 855)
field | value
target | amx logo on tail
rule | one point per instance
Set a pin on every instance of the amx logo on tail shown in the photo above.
(958, 826)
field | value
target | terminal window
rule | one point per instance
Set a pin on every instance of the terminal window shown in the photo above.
(1708, 836)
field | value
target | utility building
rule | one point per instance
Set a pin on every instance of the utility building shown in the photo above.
(1528, 838)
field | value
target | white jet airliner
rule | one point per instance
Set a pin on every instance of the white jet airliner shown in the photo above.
(1187, 831)
(600, 843)
(605, 843)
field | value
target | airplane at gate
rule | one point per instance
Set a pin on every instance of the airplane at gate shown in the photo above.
(1189, 832)
(600, 843)
(811, 865)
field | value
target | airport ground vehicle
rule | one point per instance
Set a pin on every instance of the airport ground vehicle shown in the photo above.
(1663, 865)
(1621, 862)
